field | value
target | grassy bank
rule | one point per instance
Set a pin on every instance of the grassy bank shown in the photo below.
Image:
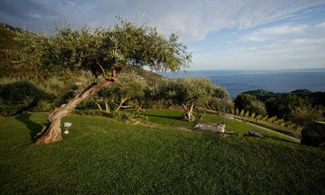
(102, 155)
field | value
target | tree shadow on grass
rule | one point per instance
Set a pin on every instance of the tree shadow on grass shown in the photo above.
(180, 118)
(284, 140)
(271, 137)
(32, 126)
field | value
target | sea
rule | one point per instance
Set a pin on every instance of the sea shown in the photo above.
(238, 81)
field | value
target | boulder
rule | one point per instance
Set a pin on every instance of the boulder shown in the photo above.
(221, 128)
(217, 128)
(313, 134)
(255, 134)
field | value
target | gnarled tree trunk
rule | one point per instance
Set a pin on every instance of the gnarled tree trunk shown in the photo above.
(99, 106)
(106, 106)
(52, 132)
(123, 100)
(188, 109)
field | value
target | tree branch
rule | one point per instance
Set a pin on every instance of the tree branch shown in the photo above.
(101, 68)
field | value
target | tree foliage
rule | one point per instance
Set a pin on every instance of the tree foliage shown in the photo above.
(104, 50)
(250, 103)
(187, 92)
(299, 106)
(20, 96)
(129, 89)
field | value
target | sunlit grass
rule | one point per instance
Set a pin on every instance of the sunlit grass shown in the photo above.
(102, 155)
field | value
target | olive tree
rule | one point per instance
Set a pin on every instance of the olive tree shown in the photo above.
(250, 103)
(130, 88)
(220, 100)
(105, 52)
(188, 93)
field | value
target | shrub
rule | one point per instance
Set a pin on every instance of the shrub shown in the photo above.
(247, 114)
(259, 117)
(265, 118)
(253, 115)
(198, 117)
(290, 124)
(20, 96)
(242, 112)
(128, 116)
(43, 106)
(272, 119)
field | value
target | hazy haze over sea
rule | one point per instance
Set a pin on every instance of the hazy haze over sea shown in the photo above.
(237, 81)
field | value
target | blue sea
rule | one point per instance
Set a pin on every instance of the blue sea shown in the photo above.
(237, 81)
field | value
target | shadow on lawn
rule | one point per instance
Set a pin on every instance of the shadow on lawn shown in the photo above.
(32, 126)
(165, 116)
(284, 140)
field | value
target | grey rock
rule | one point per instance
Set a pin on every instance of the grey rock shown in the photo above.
(256, 134)
(217, 128)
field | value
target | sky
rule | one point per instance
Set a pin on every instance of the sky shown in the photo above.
(221, 34)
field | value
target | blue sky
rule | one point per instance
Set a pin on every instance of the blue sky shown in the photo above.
(234, 34)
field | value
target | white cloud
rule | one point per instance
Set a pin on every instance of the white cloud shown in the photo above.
(286, 46)
(282, 46)
(276, 32)
(195, 19)
(191, 18)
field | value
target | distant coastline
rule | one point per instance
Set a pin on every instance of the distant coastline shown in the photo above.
(238, 81)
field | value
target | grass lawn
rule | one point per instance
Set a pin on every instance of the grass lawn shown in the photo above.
(173, 118)
(102, 155)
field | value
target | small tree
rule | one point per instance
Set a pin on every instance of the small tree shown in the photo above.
(130, 88)
(220, 100)
(103, 52)
(242, 113)
(250, 103)
(188, 93)
(247, 114)
(253, 115)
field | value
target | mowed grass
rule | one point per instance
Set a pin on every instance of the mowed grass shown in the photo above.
(102, 155)
(174, 118)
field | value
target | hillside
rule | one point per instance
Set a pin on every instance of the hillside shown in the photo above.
(149, 76)
(316, 98)
(7, 37)
(102, 155)
(10, 65)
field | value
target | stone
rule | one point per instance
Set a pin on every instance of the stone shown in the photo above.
(313, 134)
(255, 134)
(221, 128)
(217, 128)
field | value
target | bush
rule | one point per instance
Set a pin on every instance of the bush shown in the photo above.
(242, 113)
(290, 125)
(20, 96)
(265, 118)
(253, 115)
(250, 103)
(259, 117)
(272, 119)
(198, 117)
(43, 106)
(128, 116)
(247, 114)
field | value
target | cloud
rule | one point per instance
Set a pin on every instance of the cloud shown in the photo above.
(276, 32)
(278, 47)
(192, 19)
